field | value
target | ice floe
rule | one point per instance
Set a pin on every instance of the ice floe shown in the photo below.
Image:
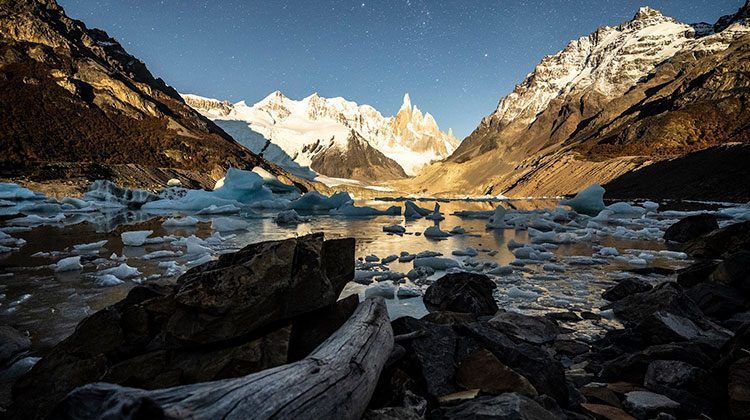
(69, 264)
(135, 237)
(589, 201)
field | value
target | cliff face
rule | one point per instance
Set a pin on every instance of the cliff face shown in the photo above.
(76, 105)
(610, 103)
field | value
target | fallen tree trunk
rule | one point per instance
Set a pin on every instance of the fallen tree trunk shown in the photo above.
(335, 381)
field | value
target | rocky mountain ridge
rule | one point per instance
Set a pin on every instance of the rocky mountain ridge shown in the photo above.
(610, 103)
(410, 138)
(78, 107)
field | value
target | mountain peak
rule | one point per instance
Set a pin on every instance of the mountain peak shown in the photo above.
(646, 12)
(407, 102)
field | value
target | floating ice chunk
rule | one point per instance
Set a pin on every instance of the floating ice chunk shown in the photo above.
(435, 215)
(673, 255)
(497, 220)
(517, 293)
(419, 272)
(539, 237)
(273, 182)
(457, 230)
(468, 252)
(436, 263)
(164, 253)
(435, 232)
(108, 280)
(122, 271)
(135, 237)
(34, 220)
(397, 229)
(502, 270)
(555, 268)
(315, 201)
(406, 292)
(608, 252)
(372, 258)
(426, 254)
(468, 214)
(385, 289)
(625, 208)
(228, 224)
(93, 246)
(172, 268)
(6, 203)
(195, 246)
(223, 209)
(188, 221)
(406, 257)
(527, 253)
(650, 206)
(105, 191)
(413, 211)
(389, 259)
(637, 261)
(583, 260)
(242, 186)
(289, 217)
(201, 260)
(78, 204)
(738, 213)
(69, 264)
(350, 210)
(37, 207)
(4, 249)
(513, 244)
(602, 216)
(9, 191)
(589, 201)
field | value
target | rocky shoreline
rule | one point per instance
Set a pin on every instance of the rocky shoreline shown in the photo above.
(681, 354)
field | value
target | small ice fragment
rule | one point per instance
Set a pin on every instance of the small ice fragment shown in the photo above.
(122, 271)
(93, 246)
(180, 222)
(457, 230)
(389, 259)
(397, 229)
(497, 220)
(468, 252)
(69, 264)
(435, 232)
(108, 280)
(436, 263)
(289, 217)
(135, 237)
(385, 289)
(408, 292)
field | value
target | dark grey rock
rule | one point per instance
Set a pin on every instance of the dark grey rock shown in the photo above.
(462, 292)
(626, 288)
(691, 227)
(508, 406)
(537, 330)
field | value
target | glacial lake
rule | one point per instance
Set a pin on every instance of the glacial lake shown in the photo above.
(49, 304)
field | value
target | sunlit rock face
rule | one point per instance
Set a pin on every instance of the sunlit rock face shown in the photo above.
(612, 102)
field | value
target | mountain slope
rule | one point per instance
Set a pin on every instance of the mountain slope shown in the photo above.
(77, 106)
(609, 103)
(305, 128)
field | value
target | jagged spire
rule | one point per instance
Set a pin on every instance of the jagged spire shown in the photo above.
(407, 102)
(646, 12)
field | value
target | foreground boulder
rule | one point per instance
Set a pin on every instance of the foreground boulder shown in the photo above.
(506, 406)
(725, 241)
(224, 319)
(462, 292)
(691, 227)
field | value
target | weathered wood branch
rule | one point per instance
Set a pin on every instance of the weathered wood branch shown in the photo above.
(336, 381)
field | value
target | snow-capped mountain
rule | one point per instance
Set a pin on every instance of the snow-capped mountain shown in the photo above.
(304, 130)
(610, 102)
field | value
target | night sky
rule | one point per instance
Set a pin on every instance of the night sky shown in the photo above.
(455, 58)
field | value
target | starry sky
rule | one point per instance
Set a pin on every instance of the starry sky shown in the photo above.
(456, 59)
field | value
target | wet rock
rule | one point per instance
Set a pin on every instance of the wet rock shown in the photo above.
(736, 321)
(481, 370)
(734, 271)
(626, 288)
(537, 330)
(567, 316)
(447, 317)
(12, 344)
(696, 273)
(632, 367)
(672, 374)
(605, 412)
(716, 300)
(644, 404)
(391, 413)
(601, 395)
(667, 296)
(725, 241)
(535, 364)
(664, 327)
(506, 406)
(462, 292)
(227, 318)
(738, 388)
(570, 347)
(691, 227)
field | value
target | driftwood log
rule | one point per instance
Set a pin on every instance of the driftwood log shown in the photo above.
(335, 381)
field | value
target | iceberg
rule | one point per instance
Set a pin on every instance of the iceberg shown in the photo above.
(413, 211)
(195, 200)
(214, 209)
(105, 191)
(289, 217)
(242, 186)
(350, 210)
(9, 191)
(435, 215)
(315, 201)
(135, 237)
(180, 222)
(589, 201)
(228, 224)
(273, 182)
(436, 263)
(497, 220)
(69, 264)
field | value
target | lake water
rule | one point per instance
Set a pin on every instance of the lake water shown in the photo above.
(49, 304)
